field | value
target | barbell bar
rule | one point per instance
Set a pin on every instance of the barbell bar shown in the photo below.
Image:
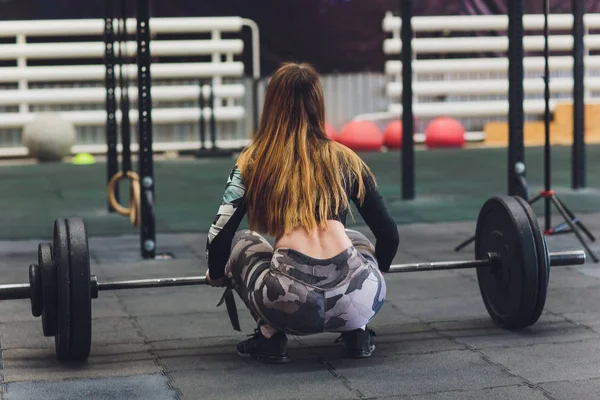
(21, 291)
(512, 263)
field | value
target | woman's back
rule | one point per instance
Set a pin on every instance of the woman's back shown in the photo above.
(298, 183)
(323, 242)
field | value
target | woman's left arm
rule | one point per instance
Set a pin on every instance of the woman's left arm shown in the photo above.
(224, 226)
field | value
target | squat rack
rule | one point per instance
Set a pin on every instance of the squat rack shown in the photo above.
(516, 150)
(142, 189)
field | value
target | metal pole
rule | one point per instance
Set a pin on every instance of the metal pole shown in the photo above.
(408, 147)
(255, 111)
(22, 290)
(569, 221)
(437, 266)
(112, 162)
(516, 150)
(578, 150)
(547, 154)
(150, 283)
(202, 122)
(15, 291)
(213, 120)
(124, 84)
(146, 161)
(558, 259)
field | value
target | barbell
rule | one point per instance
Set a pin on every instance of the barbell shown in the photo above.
(511, 260)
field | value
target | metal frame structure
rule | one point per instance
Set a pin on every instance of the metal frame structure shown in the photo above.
(112, 163)
(516, 146)
(408, 148)
(214, 150)
(570, 221)
(124, 85)
(578, 152)
(146, 161)
(516, 64)
(144, 84)
(144, 178)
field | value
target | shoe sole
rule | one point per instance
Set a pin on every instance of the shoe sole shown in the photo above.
(267, 360)
(363, 354)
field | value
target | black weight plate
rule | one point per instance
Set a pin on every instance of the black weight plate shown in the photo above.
(74, 336)
(509, 291)
(49, 289)
(61, 261)
(543, 258)
(35, 290)
(81, 293)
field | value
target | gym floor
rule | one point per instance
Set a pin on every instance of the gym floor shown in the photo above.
(451, 185)
(434, 337)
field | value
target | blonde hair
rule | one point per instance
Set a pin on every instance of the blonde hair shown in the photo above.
(292, 168)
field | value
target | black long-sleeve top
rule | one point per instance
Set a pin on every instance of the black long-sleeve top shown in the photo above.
(233, 209)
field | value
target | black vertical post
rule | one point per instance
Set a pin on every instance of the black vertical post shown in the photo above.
(213, 118)
(255, 112)
(112, 163)
(578, 151)
(146, 163)
(124, 84)
(408, 148)
(547, 155)
(214, 150)
(516, 149)
(202, 122)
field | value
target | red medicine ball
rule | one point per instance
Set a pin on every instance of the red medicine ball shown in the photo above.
(392, 136)
(361, 136)
(444, 132)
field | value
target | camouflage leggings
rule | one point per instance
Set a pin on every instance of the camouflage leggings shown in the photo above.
(301, 295)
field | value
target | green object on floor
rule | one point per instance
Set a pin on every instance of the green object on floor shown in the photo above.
(83, 159)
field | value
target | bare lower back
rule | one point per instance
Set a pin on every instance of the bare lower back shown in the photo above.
(321, 243)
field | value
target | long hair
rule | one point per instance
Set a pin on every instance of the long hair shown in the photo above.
(293, 173)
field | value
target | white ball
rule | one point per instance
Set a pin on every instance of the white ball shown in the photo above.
(49, 137)
(519, 167)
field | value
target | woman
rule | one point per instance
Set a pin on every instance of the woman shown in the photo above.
(296, 185)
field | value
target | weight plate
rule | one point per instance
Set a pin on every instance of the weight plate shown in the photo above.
(81, 293)
(509, 291)
(49, 296)
(35, 290)
(71, 255)
(543, 257)
(61, 261)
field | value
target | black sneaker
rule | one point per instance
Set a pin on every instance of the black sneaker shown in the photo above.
(272, 350)
(358, 343)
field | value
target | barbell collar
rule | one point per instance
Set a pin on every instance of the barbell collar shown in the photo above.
(566, 258)
(94, 286)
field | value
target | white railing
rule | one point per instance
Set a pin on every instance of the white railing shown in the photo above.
(26, 86)
(86, 73)
(475, 86)
(473, 23)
